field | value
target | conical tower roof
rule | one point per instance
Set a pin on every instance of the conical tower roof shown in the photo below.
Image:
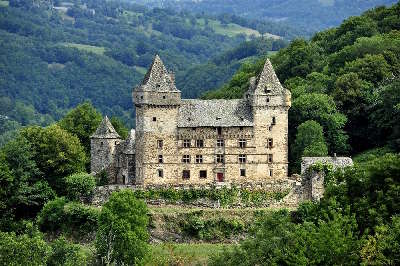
(267, 81)
(105, 130)
(157, 78)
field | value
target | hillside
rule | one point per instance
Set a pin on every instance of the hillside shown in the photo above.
(310, 15)
(346, 79)
(54, 57)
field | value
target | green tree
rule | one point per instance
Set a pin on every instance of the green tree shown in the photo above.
(309, 142)
(322, 109)
(56, 153)
(79, 186)
(82, 121)
(122, 231)
(119, 126)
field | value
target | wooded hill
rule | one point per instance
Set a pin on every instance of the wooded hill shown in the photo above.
(311, 15)
(57, 56)
(345, 79)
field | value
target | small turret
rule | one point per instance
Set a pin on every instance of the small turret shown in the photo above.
(102, 146)
(266, 89)
(158, 87)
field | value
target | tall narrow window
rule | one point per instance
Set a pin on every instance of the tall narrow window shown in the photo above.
(160, 173)
(199, 158)
(271, 172)
(160, 143)
(270, 143)
(220, 158)
(186, 158)
(185, 174)
(242, 158)
(273, 120)
(186, 143)
(199, 143)
(160, 159)
(270, 158)
(220, 143)
(242, 172)
(219, 131)
(242, 143)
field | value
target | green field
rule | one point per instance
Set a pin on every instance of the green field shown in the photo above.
(4, 3)
(87, 48)
(184, 254)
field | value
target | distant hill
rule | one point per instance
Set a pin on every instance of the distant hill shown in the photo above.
(311, 15)
(54, 56)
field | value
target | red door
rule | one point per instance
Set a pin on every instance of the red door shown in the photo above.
(220, 177)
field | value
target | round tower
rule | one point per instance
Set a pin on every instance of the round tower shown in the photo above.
(103, 147)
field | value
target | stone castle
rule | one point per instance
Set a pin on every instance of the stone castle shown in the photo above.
(185, 141)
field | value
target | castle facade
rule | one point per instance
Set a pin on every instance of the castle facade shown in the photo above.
(186, 141)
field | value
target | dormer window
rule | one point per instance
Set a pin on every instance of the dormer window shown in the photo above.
(158, 85)
(267, 90)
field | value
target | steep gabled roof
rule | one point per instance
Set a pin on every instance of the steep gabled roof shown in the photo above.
(157, 78)
(105, 130)
(267, 81)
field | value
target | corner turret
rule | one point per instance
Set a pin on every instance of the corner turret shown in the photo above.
(103, 146)
(158, 87)
(266, 89)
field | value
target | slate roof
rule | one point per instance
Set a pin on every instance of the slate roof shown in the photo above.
(267, 80)
(215, 113)
(157, 78)
(105, 130)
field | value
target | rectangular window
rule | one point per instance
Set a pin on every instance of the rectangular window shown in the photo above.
(185, 174)
(199, 143)
(199, 158)
(273, 120)
(160, 143)
(242, 172)
(242, 143)
(203, 174)
(271, 172)
(220, 158)
(160, 173)
(242, 158)
(219, 130)
(154, 118)
(270, 143)
(270, 158)
(186, 143)
(160, 159)
(186, 158)
(220, 143)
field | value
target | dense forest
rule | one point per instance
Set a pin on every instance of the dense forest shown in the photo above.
(56, 56)
(345, 79)
(311, 15)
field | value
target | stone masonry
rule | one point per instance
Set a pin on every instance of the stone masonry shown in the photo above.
(198, 142)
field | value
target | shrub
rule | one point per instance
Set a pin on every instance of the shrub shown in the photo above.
(79, 185)
(122, 232)
(23, 249)
(69, 217)
(65, 253)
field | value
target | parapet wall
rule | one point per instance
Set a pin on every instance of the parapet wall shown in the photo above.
(308, 186)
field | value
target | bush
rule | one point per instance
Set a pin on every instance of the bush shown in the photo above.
(65, 253)
(23, 249)
(69, 217)
(122, 232)
(79, 185)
